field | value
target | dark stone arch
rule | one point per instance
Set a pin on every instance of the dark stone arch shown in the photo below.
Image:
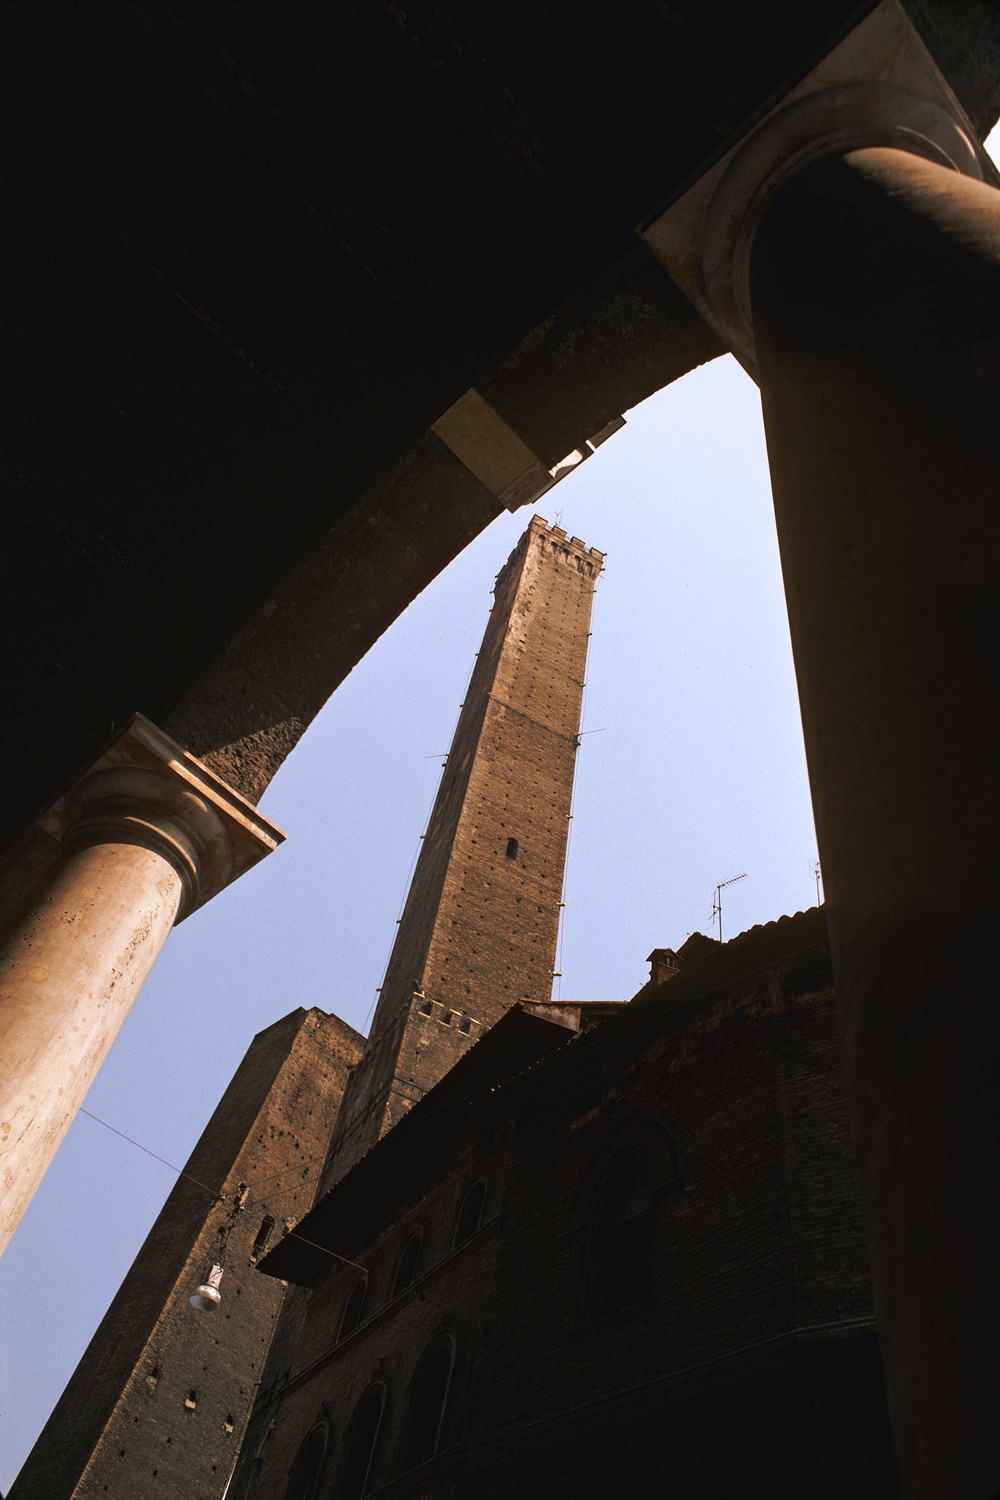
(426, 1404)
(614, 1212)
(354, 1306)
(406, 1265)
(357, 1464)
(470, 1213)
(621, 1236)
(310, 1461)
(625, 1137)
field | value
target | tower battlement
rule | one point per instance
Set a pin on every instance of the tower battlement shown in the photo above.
(556, 543)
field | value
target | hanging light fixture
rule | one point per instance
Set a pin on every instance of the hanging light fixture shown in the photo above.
(207, 1297)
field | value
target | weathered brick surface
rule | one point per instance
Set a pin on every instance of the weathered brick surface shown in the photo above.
(480, 924)
(752, 1371)
(451, 1294)
(158, 1403)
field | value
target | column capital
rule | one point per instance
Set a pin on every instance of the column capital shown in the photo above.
(879, 87)
(145, 789)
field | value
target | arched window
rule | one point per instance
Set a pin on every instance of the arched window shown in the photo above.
(353, 1308)
(470, 1214)
(623, 1237)
(357, 1468)
(406, 1265)
(512, 848)
(426, 1405)
(308, 1467)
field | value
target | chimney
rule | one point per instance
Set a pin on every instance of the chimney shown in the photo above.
(663, 965)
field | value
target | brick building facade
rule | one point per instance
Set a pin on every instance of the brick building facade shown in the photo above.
(159, 1402)
(163, 1408)
(617, 1250)
(580, 1249)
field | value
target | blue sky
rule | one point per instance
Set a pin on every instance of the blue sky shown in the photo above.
(691, 771)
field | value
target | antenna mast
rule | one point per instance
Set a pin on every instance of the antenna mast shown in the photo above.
(717, 900)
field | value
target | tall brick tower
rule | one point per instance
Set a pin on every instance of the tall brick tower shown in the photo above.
(159, 1401)
(479, 928)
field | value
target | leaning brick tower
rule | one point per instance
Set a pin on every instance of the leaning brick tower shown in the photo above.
(480, 924)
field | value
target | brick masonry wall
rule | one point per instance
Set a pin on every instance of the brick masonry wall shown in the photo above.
(758, 1254)
(479, 927)
(276, 1369)
(158, 1403)
(330, 1377)
(830, 1261)
(758, 1234)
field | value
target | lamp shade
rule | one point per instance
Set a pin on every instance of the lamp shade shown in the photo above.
(207, 1297)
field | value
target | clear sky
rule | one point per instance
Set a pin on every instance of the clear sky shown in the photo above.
(691, 771)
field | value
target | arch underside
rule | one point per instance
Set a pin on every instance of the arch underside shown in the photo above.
(237, 322)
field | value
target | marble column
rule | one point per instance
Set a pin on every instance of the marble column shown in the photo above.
(148, 835)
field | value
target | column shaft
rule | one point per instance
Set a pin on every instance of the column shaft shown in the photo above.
(875, 288)
(67, 982)
(148, 834)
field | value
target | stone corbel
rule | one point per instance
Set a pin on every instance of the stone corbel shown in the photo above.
(499, 457)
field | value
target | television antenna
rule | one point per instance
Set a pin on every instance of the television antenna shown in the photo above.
(717, 899)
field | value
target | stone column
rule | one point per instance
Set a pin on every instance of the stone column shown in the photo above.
(875, 296)
(849, 251)
(144, 838)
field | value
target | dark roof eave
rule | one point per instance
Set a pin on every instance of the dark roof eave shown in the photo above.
(523, 1044)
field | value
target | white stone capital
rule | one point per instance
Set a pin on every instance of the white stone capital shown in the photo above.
(879, 87)
(146, 790)
(144, 837)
